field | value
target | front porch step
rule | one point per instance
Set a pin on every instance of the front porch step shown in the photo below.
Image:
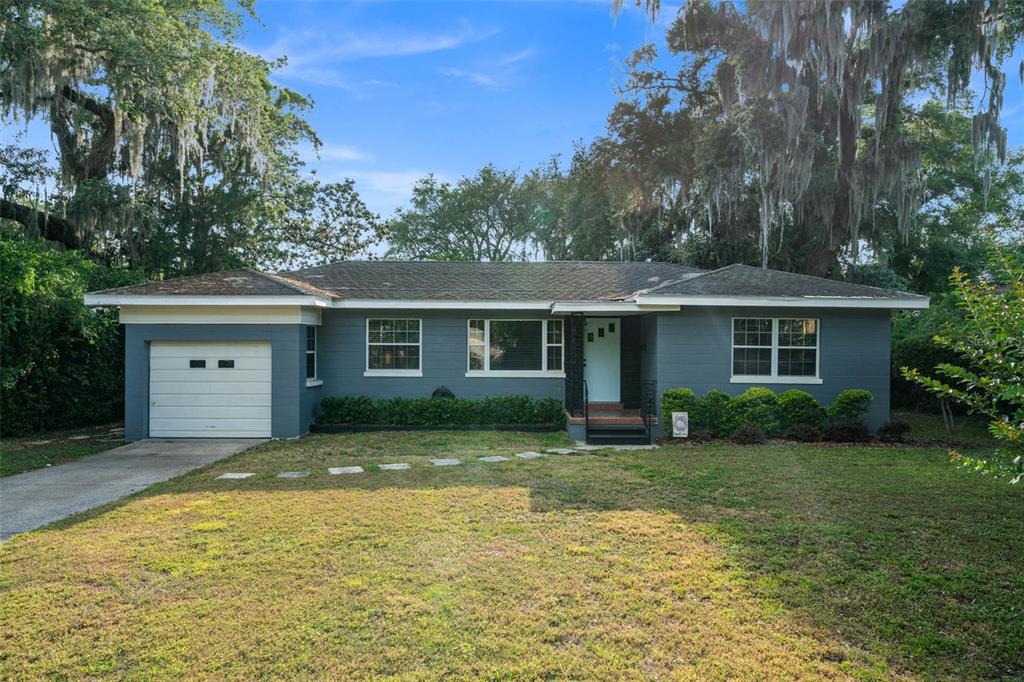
(617, 434)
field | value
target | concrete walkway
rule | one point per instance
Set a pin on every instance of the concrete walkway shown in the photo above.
(36, 498)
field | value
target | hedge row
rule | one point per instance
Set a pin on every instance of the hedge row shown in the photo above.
(439, 411)
(720, 414)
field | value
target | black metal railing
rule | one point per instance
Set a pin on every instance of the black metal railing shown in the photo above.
(648, 407)
(586, 412)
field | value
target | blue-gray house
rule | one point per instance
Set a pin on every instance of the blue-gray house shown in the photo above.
(250, 354)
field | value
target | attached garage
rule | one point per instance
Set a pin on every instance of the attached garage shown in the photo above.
(209, 389)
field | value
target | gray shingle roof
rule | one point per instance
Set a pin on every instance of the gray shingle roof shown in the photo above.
(241, 282)
(744, 280)
(531, 281)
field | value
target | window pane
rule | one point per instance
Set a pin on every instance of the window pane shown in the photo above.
(476, 356)
(310, 338)
(515, 345)
(752, 361)
(797, 362)
(394, 356)
(554, 331)
(798, 332)
(310, 365)
(554, 358)
(752, 332)
(476, 331)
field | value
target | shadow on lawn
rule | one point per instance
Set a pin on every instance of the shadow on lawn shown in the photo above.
(893, 550)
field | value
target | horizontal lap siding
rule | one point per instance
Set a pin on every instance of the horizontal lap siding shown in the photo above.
(694, 350)
(443, 358)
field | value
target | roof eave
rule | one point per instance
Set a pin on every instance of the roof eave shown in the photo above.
(895, 303)
(99, 299)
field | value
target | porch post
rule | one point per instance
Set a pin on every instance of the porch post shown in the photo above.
(574, 365)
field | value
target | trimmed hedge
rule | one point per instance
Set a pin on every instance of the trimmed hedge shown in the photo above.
(720, 415)
(439, 411)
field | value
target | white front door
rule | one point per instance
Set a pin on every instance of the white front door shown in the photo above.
(601, 355)
(209, 390)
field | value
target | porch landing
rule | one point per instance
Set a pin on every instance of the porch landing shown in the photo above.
(610, 414)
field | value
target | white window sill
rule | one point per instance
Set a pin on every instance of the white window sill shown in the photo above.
(775, 380)
(521, 374)
(314, 382)
(393, 373)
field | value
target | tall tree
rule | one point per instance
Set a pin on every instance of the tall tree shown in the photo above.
(484, 217)
(802, 101)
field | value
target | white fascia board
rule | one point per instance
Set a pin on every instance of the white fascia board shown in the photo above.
(917, 302)
(608, 307)
(398, 304)
(122, 299)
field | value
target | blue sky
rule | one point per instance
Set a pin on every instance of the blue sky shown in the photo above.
(402, 89)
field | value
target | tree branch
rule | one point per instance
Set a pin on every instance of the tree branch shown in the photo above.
(51, 227)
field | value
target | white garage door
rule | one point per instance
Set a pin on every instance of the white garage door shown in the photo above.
(209, 390)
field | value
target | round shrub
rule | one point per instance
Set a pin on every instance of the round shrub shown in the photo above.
(442, 392)
(850, 405)
(713, 413)
(748, 434)
(847, 432)
(677, 400)
(893, 431)
(757, 406)
(803, 433)
(798, 407)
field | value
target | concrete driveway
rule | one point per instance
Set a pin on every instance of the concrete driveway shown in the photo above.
(36, 498)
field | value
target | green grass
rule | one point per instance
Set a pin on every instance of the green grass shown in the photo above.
(18, 455)
(705, 562)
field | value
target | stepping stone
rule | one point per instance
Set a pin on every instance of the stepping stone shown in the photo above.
(493, 458)
(293, 474)
(235, 475)
(78, 437)
(394, 467)
(528, 455)
(560, 451)
(444, 462)
(334, 471)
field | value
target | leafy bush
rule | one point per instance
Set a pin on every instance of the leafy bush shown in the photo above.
(748, 434)
(798, 407)
(713, 414)
(803, 433)
(62, 363)
(855, 431)
(677, 400)
(756, 406)
(439, 411)
(850, 405)
(442, 392)
(893, 431)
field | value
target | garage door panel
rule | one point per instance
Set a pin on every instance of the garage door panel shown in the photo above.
(208, 375)
(205, 412)
(182, 363)
(210, 400)
(213, 387)
(204, 402)
(171, 349)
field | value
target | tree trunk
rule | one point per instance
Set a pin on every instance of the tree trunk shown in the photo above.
(51, 227)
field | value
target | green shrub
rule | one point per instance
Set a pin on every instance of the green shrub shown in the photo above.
(800, 407)
(804, 433)
(757, 406)
(713, 413)
(61, 364)
(850, 405)
(678, 400)
(748, 434)
(439, 411)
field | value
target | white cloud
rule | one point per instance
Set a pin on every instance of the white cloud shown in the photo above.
(473, 76)
(516, 57)
(494, 74)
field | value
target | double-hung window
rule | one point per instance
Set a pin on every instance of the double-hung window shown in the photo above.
(515, 348)
(775, 350)
(393, 347)
(311, 360)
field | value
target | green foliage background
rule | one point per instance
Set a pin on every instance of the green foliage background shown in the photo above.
(62, 364)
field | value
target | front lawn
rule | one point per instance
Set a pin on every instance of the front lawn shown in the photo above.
(704, 562)
(55, 447)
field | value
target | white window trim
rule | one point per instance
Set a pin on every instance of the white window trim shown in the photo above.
(542, 373)
(315, 379)
(367, 372)
(774, 377)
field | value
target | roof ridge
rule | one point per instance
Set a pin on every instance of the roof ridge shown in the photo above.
(289, 282)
